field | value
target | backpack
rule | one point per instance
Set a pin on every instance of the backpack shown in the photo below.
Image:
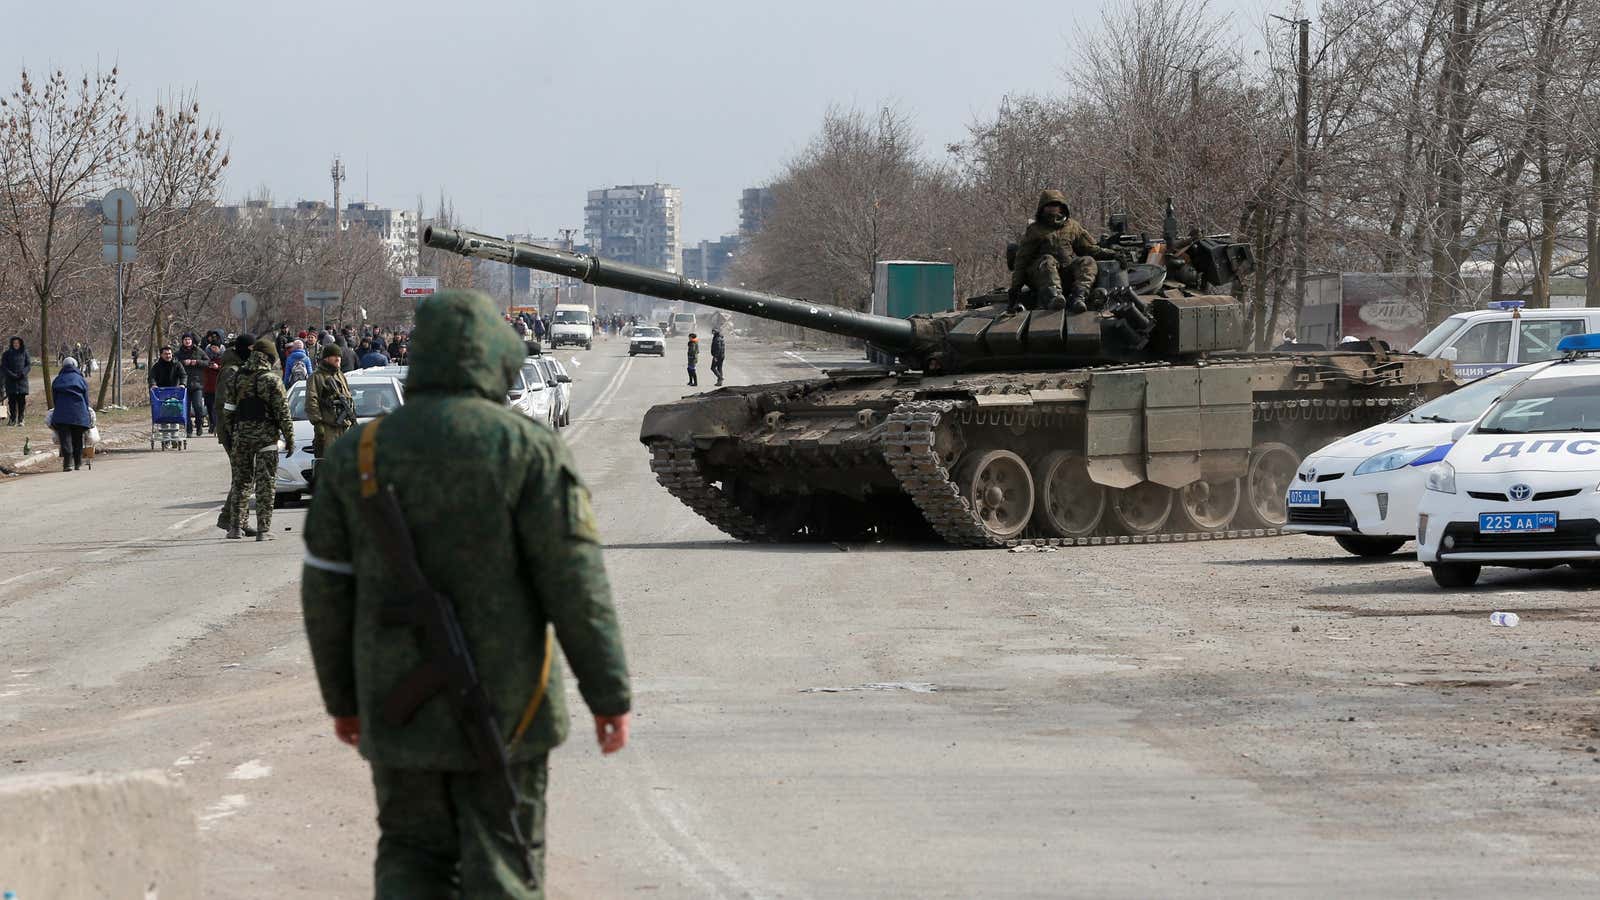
(299, 372)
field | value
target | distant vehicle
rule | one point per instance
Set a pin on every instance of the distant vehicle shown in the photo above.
(684, 323)
(647, 339)
(376, 391)
(556, 382)
(529, 394)
(661, 316)
(1363, 490)
(1488, 340)
(563, 390)
(572, 324)
(1518, 489)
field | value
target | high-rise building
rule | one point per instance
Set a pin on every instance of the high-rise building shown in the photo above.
(395, 228)
(755, 205)
(636, 223)
(709, 260)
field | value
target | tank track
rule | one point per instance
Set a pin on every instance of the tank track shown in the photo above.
(908, 448)
(679, 472)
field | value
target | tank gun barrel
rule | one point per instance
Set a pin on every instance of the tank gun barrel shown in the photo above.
(888, 333)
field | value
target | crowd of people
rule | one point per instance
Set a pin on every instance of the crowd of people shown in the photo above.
(532, 327)
(197, 365)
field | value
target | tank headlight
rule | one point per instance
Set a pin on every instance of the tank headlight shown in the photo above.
(1442, 478)
(1389, 460)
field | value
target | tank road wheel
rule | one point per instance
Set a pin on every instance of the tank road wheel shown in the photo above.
(1266, 484)
(1069, 504)
(1000, 488)
(1208, 505)
(1141, 509)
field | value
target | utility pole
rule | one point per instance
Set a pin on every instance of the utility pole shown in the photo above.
(337, 173)
(1302, 163)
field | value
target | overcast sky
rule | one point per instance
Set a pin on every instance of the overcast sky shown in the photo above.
(515, 109)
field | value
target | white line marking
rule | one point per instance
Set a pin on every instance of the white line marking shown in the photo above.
(29, 574)
(579, 428)
(179, 526)
(227, 806)
(250, 771)
(801, 359)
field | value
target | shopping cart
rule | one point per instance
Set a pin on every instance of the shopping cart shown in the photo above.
(169, 418)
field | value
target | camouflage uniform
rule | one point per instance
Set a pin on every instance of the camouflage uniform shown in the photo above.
(231, 361)
(257, 388)
(329, 407)
(1046, 249)
(489, 497)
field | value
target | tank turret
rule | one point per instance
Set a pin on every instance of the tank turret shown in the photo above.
(1134, 317)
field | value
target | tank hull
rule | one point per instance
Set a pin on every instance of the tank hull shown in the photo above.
(1112, 454)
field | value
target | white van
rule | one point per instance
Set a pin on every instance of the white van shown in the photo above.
(572, 324)
(1493, 339)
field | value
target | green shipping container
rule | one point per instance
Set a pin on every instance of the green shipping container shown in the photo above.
(903, 288)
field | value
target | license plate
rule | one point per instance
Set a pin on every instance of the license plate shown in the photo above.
(1305, 498)
(1517, 523)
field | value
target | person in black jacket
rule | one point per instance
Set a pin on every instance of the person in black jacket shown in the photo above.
(14, 366)
(167, 372)
(194, 360)
(719, 350)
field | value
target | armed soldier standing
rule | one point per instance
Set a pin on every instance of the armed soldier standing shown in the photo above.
(1055, 250)
(329, 405)
(436, 516)
(258, 412)
(232, 360)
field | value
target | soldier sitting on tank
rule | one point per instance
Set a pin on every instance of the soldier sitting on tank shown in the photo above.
(1055, 250)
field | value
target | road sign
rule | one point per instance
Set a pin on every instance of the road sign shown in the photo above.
(322, 299)
(418, 287)
(109, 234)
(108, 252)
(243, 306)
(129, 210)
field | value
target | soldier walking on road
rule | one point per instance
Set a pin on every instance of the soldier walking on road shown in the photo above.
(445, 505)
(1055, 249)
(719, 351)
(258, 412)
(238, 351)
(329, 405)
(694, 357)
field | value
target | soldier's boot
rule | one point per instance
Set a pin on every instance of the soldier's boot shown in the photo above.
(1077, 301)
(233, 533)
(1052, 298)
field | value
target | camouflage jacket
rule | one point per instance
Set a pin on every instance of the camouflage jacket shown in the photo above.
(1041, 239)
(326, 393)
(501, 524)
(225, 378)
(257, 385)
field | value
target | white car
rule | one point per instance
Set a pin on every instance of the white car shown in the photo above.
(530, 395)
(1363, 490)
(375, 394)
(548, 371)
(647, 339)
(563, 390)
(1505, 335)
(1521, 488)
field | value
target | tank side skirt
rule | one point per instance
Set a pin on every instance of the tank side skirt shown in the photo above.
(678, 470)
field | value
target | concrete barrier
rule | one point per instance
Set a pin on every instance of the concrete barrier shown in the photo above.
(97, 837)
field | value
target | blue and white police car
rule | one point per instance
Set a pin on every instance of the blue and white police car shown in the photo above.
(1521, 488)
(1363, 489)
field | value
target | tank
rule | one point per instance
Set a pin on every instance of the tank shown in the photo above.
(1137, 420)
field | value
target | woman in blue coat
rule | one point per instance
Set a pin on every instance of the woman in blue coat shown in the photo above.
(71, 417)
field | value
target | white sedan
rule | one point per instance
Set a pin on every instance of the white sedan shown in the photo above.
(1363, 490)
(531, 396)
(1522, 487)
(375, 394)
(647, 339)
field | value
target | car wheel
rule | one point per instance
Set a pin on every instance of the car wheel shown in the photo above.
(1455, 575)
(284, 499)
(1366, 545)
(630, 352)
(589, 345)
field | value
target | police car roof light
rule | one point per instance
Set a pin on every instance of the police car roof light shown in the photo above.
(1507, 304)
(1579, 343)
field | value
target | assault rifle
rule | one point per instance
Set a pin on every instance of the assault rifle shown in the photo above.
(448, 669)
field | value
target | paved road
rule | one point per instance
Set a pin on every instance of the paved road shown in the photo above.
(1260, 718)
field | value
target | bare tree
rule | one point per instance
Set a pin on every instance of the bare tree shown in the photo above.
(58, 142)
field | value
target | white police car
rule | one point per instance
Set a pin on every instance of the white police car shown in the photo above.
(1522, 487)
(1363, 489)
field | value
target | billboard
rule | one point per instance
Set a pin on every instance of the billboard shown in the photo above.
(418, 287)
(1389, 306)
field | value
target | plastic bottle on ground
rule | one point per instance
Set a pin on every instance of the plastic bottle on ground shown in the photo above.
(1504, 619)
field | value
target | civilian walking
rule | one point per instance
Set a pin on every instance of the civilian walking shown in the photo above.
(14, 366)
(71, 417)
